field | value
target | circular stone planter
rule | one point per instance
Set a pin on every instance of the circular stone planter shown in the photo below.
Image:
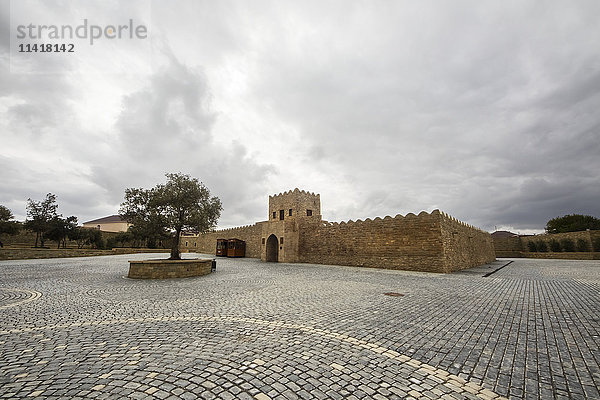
(164, 269)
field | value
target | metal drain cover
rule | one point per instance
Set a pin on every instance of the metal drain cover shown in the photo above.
(394, 294)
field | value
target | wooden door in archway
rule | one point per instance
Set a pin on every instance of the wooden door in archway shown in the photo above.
(272, 249)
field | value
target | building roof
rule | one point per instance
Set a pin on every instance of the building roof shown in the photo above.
(106, 220)
(503, 234)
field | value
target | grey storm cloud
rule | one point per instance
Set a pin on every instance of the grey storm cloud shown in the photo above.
(167, 127)
(486, 110)
(442, 118)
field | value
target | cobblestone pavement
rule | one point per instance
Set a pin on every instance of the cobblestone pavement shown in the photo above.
(77, 328)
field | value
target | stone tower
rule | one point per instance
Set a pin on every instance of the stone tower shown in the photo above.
(287, 210)
(293, 205)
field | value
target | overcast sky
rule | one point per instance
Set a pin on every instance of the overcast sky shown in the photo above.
(487, 110)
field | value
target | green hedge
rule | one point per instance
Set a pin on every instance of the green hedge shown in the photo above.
(567, 245)
(555, 245)
(542, 246)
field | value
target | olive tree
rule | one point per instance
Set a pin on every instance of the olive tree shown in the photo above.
(141, 210)
(183, 203)
(39, 216)
(60, 229)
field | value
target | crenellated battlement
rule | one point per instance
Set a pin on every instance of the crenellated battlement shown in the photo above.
(294, 204)
(428, 241)
(296, 191)
(450, 219)
(295, 232)
(234, 229)
(422, 214)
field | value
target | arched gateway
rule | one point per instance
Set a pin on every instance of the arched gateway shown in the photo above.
(272, 249)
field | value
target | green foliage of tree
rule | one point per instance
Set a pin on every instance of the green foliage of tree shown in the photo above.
(531, 246)
(39, 216)
(583, 245)
(182, 203)
(542, 246)
(5, 213)
(147, 221)
(85, 236)
(596, 244)
(122, 239)
(147, 233)
(572, 223)
(95, 238)
(555, 246)
(567, 244)
(78, 235)
(8, 226)
(59, 229)
(135, 237)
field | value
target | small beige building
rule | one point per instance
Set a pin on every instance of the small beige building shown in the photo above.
(113, 223)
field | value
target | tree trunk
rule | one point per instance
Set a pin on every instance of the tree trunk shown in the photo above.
(37, 235)
(175, 254)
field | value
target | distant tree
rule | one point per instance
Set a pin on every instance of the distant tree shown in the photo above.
(39, 215)
(182, 203)
(572, 223)
(85, 236)
(94, 238)
(149, 231)
(55, 231)
(79, 235)
(111, 243)
(531, 246)
(123, 238)
(583, 245)
(542, 246)
(596, 244)
(8, 226)
(149, 223)
(131, 238)
(555, 246)
(567, 244)
(59, 229)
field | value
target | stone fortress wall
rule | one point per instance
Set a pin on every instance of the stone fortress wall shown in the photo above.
(410, 243)
(431, 242)
(207, 242)
(300, 203)
(464, 245)
(508, 246)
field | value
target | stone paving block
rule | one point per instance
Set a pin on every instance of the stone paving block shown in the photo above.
(299, 331)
